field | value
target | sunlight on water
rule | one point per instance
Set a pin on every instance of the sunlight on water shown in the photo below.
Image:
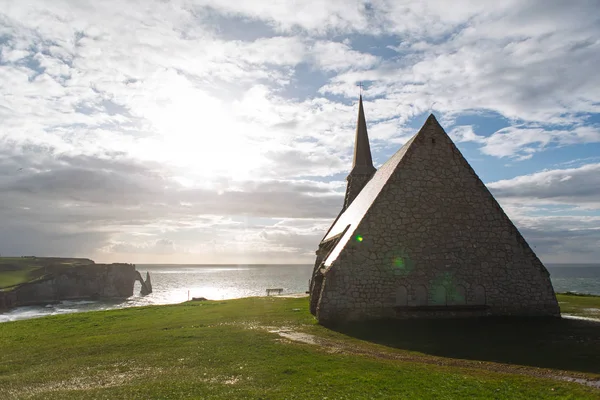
(176, 283)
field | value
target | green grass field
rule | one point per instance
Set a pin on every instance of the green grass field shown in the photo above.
(580, 305)
(230, 350)
(18, 270)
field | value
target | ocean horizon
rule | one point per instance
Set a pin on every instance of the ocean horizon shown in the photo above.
(176, 283)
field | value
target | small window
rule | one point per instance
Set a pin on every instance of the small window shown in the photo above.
(433, 140)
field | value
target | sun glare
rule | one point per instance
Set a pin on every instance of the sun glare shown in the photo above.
(199, 134)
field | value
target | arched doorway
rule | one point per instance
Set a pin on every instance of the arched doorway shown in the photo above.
(457, 295)
(421, 296)
(438, 296)
(479, 296)
(401, 296)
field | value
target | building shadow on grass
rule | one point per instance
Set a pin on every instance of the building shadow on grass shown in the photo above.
(557, 343)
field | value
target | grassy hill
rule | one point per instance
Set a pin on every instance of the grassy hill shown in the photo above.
(18, 270)
(271, 348)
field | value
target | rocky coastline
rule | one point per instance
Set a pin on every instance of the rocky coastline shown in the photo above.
(83, 282)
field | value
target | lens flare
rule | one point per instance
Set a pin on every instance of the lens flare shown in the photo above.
(359, 238)
(399, 262)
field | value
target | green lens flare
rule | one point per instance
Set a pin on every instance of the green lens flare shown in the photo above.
(359, 238)
(399, 262)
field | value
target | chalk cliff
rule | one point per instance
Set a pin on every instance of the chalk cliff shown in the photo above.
(93, 281)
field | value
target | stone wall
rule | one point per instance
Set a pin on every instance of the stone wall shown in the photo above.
(356, 182)
(435, 236)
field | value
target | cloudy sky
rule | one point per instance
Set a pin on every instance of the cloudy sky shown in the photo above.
(220, 131)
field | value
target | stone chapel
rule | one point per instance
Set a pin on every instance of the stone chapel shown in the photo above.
(422, 237)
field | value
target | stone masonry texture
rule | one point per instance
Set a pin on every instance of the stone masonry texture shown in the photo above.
(433, 243)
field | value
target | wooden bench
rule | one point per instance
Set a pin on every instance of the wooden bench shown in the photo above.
(276, 291)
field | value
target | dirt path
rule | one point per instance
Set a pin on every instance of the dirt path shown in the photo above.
(333, 346)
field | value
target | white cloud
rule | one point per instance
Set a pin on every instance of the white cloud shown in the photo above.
(314, 15)
(573, 186)
(556, 211)
(136, 125)
(493, 60)
(563, 239)
(523, 142)
(335, 56)
(160, 246)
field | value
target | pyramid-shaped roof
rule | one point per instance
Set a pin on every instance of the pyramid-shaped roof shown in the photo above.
(423, 237)
(349, 220)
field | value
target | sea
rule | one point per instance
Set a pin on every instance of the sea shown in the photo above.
(178, 283)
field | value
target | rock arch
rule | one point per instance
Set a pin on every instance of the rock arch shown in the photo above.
(146, 285)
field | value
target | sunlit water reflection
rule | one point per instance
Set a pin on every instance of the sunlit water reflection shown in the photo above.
(176, 283)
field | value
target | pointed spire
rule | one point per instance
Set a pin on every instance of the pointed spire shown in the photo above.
(362, 163)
